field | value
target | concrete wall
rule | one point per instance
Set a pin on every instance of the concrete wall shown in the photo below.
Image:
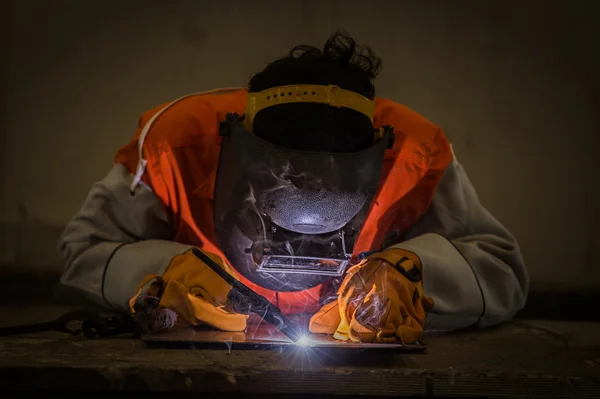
(512, 83)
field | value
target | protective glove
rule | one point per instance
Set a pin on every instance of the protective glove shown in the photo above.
(380, 300)
(193, 291)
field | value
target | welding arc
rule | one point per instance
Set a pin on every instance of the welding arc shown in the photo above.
(269, 312)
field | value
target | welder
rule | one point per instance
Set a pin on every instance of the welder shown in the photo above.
(312, 191)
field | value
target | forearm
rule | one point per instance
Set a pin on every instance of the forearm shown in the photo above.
(469, 286)
(115, 240)
(472, 266)
(449, 280)
(109, 273)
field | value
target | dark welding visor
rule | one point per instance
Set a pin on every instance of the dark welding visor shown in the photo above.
(261, 188)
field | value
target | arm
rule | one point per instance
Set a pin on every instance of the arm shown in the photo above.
(116, 240)
(472, 265)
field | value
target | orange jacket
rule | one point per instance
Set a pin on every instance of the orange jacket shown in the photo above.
(182, 150)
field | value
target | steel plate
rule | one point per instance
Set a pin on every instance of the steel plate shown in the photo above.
(261, 336)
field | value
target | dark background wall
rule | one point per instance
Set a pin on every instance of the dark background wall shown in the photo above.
(513, 84)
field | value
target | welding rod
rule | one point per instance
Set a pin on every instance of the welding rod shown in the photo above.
(269, 312)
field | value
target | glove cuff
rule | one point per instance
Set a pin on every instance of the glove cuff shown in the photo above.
(404, 261)
(409, 265)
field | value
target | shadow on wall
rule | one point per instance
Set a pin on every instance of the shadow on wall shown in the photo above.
(30, 243)
(30, 267)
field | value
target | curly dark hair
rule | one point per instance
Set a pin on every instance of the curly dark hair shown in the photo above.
(319, 127)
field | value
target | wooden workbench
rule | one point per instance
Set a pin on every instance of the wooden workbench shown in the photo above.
(524, 359)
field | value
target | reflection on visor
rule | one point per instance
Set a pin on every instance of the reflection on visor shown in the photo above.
(302, 191)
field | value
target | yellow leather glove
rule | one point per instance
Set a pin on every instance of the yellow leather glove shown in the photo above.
(194, 292)
(380, 300)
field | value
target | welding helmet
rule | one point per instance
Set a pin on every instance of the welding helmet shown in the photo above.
(276, 201)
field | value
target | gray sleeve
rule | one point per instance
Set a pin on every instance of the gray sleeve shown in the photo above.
(115, 240)
(472, 265)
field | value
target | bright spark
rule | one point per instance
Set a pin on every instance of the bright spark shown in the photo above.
(304, 341)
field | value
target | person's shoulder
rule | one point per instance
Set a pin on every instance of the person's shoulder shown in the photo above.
(183, 121)
(406, 122)
(416, 138)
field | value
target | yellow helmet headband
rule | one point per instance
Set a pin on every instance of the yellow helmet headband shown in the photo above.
(331, 95)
